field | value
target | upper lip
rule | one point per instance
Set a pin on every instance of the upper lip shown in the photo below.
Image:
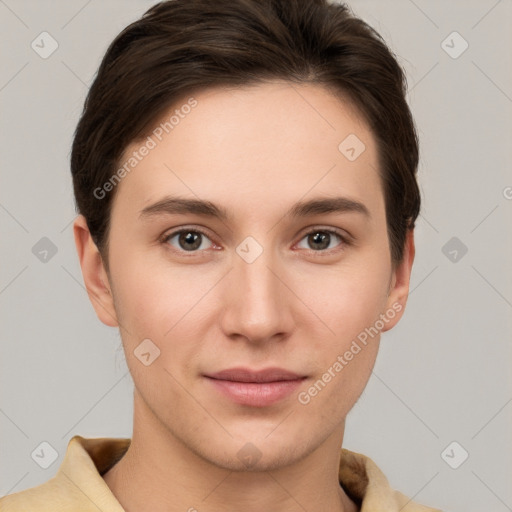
(248, 375)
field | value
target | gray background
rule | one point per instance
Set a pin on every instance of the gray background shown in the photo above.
(443, 374)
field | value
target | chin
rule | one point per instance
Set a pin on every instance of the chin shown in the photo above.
(243, 454)
(251, 458)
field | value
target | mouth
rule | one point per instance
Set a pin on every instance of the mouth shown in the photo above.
(256, 388)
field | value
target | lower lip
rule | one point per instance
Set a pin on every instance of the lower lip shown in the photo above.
(256, 394)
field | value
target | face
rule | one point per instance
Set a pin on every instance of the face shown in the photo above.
(251, 325)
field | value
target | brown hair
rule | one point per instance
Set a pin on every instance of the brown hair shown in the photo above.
(179, 47)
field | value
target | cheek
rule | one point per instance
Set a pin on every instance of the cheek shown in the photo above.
(344, 358)
(157, 304)
(163, 303)
(153, 294)
(349, 302)
(334, 393)
(347, 299)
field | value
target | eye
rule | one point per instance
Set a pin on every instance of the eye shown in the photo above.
(320, 239)
(187, 240)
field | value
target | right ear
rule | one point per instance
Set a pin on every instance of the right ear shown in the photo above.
(94, 273)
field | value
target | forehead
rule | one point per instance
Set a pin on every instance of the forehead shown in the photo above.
(257, 144)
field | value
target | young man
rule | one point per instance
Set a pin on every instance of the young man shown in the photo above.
(245, 177)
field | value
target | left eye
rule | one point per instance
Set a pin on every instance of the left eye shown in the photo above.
(320, 239)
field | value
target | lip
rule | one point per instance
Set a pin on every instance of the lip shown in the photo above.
(256, 388)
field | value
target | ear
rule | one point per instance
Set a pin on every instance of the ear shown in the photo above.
(399, 285)
(94, 273)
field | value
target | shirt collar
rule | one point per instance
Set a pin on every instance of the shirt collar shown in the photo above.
(87, 459)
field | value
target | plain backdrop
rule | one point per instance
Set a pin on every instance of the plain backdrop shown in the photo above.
(442, 387)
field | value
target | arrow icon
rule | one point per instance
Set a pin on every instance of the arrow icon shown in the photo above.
(454, 45)
(44, 44)
(146, 352)
(249, 454)
(44, 455)
(454, 455)
(44, 250)
(454, 249)
(249, 253)
(40, 456)
(351, 147)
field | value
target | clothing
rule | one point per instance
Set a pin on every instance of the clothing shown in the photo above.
(78, 485)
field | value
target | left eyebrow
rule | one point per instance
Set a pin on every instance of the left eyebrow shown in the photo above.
(177, 205)
(328, 205)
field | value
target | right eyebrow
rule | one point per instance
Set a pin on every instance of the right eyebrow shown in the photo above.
(177, 205)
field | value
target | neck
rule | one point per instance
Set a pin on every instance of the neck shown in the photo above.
(170, 477)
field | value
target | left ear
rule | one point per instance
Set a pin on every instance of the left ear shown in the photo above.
(399, 286)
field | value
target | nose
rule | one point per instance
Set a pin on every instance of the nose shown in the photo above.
(257, 300)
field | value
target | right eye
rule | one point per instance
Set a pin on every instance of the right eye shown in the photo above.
(187, 240)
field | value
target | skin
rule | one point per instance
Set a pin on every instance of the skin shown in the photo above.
(255, 151)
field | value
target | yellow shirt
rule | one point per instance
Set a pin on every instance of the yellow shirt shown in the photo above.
(78, 485)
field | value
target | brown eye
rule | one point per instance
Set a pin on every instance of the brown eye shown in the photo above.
(322, 240)
(187, 240)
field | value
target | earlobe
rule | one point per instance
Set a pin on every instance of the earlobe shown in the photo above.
(94, 273)
(399, 286)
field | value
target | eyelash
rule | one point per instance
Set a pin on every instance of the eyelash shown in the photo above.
(345, 241)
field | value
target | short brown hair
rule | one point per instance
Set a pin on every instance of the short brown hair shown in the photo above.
(179, 47)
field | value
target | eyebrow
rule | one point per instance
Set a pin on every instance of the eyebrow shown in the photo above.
(177, 205)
